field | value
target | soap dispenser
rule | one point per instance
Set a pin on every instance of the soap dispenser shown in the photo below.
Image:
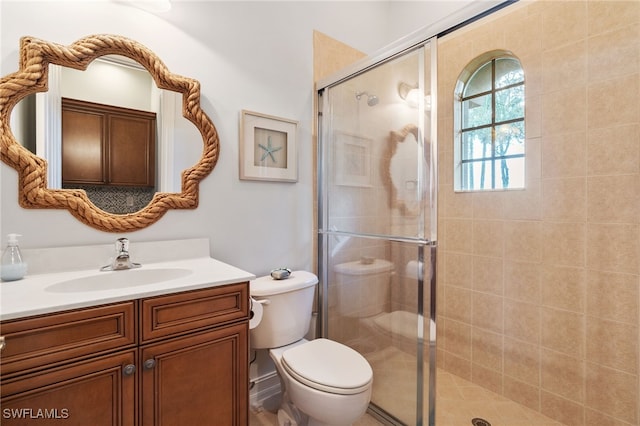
(13, 267)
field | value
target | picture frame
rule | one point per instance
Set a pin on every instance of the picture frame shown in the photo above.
(353, 160)
(268, 148)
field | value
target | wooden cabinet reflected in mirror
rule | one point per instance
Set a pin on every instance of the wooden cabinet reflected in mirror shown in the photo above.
(110, 153)
(36, 56)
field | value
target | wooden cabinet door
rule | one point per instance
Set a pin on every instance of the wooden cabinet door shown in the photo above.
(200, 379)
(98, 392)
(131, 150)
(83, 133)
(107, 145)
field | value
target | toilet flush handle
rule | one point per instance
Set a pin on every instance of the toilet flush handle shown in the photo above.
(261, 301)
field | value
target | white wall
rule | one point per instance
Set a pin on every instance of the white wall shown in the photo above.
(255, 56)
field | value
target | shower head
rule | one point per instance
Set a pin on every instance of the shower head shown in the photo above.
(372, 100)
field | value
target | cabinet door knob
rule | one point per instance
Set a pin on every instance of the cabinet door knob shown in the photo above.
(129, 370)
(149, 364)
(2, 343)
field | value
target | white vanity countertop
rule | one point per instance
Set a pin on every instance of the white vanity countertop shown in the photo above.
(59, 291)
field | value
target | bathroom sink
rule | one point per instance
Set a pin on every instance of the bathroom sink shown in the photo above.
(118, 279)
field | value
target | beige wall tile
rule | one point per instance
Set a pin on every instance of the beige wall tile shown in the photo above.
(614, 53)
(459, 235)
(614, 198)
(487, 275)
(487, 349)
(522, 281)
(556, 15)
(563, 331)
(605, 16)
(524, 34)
(459, 270)
(614, 102)
(458, 366)
(487, 312)
(612, 344)
(614, 150)
(487, 378)
(565, 66)
(458, 340)
(522, 361)
(564, 155)
(596, 418)
(522, 241)
(565, 111)
(487, 237)
(522, 393)
(458, 304)
(524, 204)
(562, 375)
(613, 296)
(564, 287)
(564, 199)
(488, 205)
(459, 204)
(614, 248)
(612, 392)
(522, 321)
(568, 412)
(566, 248)
(564, 243)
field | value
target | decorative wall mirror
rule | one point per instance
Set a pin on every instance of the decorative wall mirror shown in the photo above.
(36, 56)
(400, 172)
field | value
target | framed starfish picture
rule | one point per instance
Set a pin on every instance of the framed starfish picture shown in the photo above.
(268, 148)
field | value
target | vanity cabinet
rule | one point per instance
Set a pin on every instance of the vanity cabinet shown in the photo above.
(178, 359)
(107, 145)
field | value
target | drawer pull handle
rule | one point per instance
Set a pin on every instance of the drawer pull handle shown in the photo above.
(149, 364)
(2, 343)
(129, 370)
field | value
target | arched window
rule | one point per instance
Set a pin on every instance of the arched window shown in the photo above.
(489, 119)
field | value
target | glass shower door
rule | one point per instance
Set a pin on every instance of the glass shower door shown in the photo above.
(377, 228)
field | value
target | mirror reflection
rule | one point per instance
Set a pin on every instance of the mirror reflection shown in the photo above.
(402, 171)
(36, 58)
(110, 131)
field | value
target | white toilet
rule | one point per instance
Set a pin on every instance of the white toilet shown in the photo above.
(324, 382)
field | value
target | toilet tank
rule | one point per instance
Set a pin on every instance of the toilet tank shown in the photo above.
(363, 287)
(287, 306)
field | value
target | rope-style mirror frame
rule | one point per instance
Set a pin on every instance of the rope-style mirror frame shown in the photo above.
(32, 77)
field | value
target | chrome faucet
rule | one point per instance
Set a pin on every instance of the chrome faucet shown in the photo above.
(122, 260)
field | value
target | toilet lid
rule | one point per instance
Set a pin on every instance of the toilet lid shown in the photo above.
(328, 366)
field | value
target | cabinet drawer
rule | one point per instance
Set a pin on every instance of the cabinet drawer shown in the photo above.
(189, 311)
(54, 339)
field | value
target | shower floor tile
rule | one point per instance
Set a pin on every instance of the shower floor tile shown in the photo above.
(457, 400)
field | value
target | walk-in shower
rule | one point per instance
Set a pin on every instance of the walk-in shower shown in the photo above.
(377, 227)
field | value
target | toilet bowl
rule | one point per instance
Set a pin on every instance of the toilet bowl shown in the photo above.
(329, 383)
(324, 383)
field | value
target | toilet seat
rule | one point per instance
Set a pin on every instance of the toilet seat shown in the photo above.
(328, 366)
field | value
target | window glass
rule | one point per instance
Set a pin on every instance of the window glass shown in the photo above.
(510, 103)
(491, 128)
(480, 81)
(508, 72)
(476, 111)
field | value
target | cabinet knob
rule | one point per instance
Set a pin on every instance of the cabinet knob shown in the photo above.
(129, 370)
(149, 364)
(2, 343)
